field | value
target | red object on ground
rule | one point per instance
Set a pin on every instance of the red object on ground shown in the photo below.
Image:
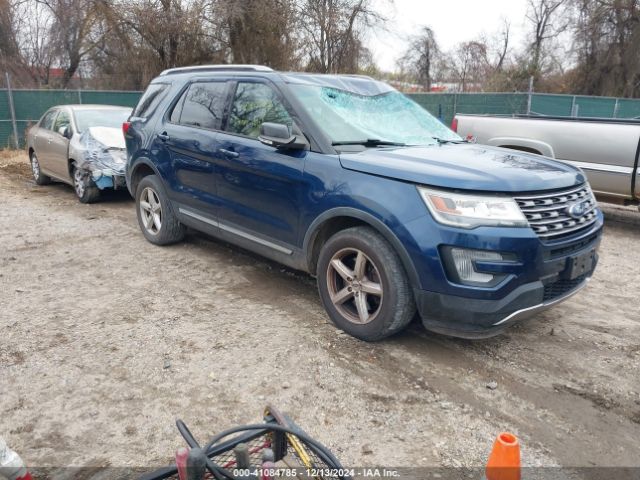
(181, 462)
(504, 460)
(454, 125)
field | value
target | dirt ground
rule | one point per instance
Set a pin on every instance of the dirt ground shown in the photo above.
(107, 339)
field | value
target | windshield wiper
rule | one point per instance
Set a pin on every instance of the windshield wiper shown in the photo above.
(370, 142)
(442, 141)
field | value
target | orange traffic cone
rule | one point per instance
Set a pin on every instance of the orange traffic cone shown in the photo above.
(504, 461)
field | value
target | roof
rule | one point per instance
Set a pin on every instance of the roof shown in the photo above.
(88, 106)
(359, 84)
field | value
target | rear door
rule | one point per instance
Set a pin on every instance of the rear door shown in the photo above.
(189, 136)
(59, 145)
(42, 141)
(259, 186)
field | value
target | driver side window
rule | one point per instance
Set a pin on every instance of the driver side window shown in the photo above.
(62, 121)
(47, 120)
(254, 104)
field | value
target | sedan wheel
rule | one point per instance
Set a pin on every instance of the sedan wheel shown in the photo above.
(151, 211)
(354, 285)
(39, 177)
(35, 167)
(79, 182)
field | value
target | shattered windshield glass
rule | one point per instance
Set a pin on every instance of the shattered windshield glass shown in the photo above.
(113, 118)
(369, 120)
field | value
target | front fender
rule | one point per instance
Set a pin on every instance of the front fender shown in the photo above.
(373, 222)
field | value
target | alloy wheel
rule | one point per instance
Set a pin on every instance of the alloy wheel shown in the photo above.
(151, 211)
(355, 286)
(79, 182)
(35, 167)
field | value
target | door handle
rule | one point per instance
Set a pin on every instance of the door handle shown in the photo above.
(228, 153)
(164, 136)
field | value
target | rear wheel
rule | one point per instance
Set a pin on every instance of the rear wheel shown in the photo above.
(155, 216)
(363, 285)
(39, 177)
(84, 186)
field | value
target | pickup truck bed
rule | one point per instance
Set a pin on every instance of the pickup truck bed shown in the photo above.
(606, 149)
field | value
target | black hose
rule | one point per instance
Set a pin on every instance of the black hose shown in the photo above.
(322, 451)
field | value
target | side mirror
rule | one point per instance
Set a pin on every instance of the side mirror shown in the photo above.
(65, 131)
(279, 135)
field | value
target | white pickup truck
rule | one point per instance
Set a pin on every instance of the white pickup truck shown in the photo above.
(606, 149)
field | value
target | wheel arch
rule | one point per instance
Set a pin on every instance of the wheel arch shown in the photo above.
(142, 168)
(341, 218)
(528, 145)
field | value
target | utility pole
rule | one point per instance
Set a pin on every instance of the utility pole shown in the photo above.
(12, 110)
(530, 95)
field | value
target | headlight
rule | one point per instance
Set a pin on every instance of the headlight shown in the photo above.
(470, 211)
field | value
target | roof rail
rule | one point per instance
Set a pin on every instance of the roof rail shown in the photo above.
(230, 67)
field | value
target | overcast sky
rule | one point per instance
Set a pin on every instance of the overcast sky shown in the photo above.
(453, 21)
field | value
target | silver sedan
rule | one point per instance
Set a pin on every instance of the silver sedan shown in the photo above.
(81, 145)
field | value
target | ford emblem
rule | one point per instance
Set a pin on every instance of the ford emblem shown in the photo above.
(577, 210)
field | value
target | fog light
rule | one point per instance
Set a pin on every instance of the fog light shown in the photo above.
(463, 261)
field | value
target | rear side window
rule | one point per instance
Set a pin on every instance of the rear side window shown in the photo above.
(202, 105)
(47, 120)
(150, 100)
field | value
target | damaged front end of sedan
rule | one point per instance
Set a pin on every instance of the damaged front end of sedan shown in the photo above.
(102, 156)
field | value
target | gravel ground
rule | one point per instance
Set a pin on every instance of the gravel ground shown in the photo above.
(107, 339)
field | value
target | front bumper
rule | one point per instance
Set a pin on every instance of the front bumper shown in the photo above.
(541, 277)
(108, 179)
(473, 318)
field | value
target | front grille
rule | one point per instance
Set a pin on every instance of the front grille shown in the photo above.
(548, 214)
(561, 287)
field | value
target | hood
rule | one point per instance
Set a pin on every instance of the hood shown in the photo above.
(109, 137)
(467, 167)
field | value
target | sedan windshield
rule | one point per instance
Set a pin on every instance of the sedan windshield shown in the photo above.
(107, 117)
(388, 119)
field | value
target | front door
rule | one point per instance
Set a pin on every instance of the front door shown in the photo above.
(59, 146)
(259, 186)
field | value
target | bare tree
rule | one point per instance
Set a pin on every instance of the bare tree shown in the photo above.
(421, 57)
(606, 39)
(546, 25)
(333, 32)
(469, 65)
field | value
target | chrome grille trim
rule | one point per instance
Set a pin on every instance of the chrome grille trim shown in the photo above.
(548, 214)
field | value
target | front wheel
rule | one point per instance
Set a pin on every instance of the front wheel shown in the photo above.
(363, 285)
(84, 186)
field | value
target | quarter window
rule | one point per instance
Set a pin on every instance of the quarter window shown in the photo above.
(203, 105)
(253, 104)
(150, 100)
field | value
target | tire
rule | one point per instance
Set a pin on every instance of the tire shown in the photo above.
(367, 294)
(39, 177)
(156, 219)
(84, 186)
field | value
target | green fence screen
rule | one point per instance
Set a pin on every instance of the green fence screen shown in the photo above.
(31, 104)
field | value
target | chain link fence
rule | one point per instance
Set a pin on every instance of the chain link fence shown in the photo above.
(29, 105)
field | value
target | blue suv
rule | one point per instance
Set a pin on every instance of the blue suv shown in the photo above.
(345, 178)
